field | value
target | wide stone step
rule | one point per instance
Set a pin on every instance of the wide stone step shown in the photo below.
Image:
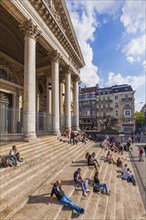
(23, 146)
(43, 159)
(56, 167)
(31, 157)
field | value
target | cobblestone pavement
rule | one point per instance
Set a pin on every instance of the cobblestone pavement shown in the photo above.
(139, 168)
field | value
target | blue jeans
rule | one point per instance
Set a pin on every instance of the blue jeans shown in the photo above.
(104, 186)
(83, 185)
(131, 179)
(67, 201)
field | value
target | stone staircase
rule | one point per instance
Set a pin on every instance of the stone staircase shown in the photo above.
(27, 197)
(123, 203)
(42, 161)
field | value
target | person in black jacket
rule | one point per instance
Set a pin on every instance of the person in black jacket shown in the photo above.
(63, 199)
(97, 185)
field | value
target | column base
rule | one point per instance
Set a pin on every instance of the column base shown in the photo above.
(56, 132)
(30, 137)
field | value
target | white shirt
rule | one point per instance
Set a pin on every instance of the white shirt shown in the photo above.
(126, 173)
(12, 153)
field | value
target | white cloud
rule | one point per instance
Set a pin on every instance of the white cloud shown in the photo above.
(133, 17)
(118, 79)
(83, 16)
(88, 74)
(144, 64)
(131, 59)
(135, 48)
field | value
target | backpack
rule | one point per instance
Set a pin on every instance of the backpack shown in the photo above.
(5, 162)
(96, 188)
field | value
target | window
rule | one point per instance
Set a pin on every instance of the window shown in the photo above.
(127, 113)
(116, 97)
(116, 105)
(126, 105)
(117, 113)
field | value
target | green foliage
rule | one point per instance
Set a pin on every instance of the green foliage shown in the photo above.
(140, 119)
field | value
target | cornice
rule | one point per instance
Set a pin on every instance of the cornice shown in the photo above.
(54, 23)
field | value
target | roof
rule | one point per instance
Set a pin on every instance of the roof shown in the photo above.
(114, 89)
(88, 89)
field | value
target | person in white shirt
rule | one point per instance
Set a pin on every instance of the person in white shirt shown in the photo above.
(13, 152)
(128, 176)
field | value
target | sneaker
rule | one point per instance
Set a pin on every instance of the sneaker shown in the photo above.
(88, 190)
(82, 211)
(108, 194)
(85, 194)
(75, 212)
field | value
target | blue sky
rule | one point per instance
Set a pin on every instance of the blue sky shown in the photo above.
(112, 37)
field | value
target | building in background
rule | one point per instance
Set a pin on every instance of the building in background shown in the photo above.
(116, 101)
(87, 108)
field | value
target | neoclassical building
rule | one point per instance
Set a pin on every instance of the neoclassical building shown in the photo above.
(40, 61)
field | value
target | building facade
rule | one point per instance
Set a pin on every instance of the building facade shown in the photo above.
(40, 61)
(115, 101)
(87, 108)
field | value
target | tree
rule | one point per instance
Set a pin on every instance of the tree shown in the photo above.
(140, 119)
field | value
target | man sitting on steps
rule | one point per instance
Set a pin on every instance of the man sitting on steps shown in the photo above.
(97, 185)
(78, 180)
(63, 199)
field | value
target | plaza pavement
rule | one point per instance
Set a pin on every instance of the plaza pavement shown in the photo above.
(139, 168)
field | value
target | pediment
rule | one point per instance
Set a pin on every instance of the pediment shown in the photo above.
(63, 18)
(56, 16)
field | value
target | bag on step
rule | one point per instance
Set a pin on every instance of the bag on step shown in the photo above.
(96, 188)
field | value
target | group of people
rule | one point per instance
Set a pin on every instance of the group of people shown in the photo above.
(13, 158)
(83, 183)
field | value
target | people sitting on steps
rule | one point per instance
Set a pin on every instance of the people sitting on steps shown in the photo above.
(82, 183)
(119, 162)
(91, 162)
(127, 175)
(63, 199)
(97, 185)
(124, 168)
(109, 158)
(14, 153)
(93, 155)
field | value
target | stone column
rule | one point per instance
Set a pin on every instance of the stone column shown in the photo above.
(55, 57)
(31, 33)
(18, 109)
(76, 102)
(48, 104)
(48, 96)
(68, 97)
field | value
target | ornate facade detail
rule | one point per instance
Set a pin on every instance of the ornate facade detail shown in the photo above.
(10, 72)
(68, 69)
(29, 29)
(76, 79)
(52, 18)
(54, 56)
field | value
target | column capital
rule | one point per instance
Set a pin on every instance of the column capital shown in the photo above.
(68, 69)
(54, 56)
(28, 28)
(76, 79)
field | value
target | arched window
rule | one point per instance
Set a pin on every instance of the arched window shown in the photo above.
(3, 74)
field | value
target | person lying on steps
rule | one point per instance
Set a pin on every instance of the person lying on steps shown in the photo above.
(63, 199)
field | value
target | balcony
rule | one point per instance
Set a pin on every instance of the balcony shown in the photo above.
(104, 100)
